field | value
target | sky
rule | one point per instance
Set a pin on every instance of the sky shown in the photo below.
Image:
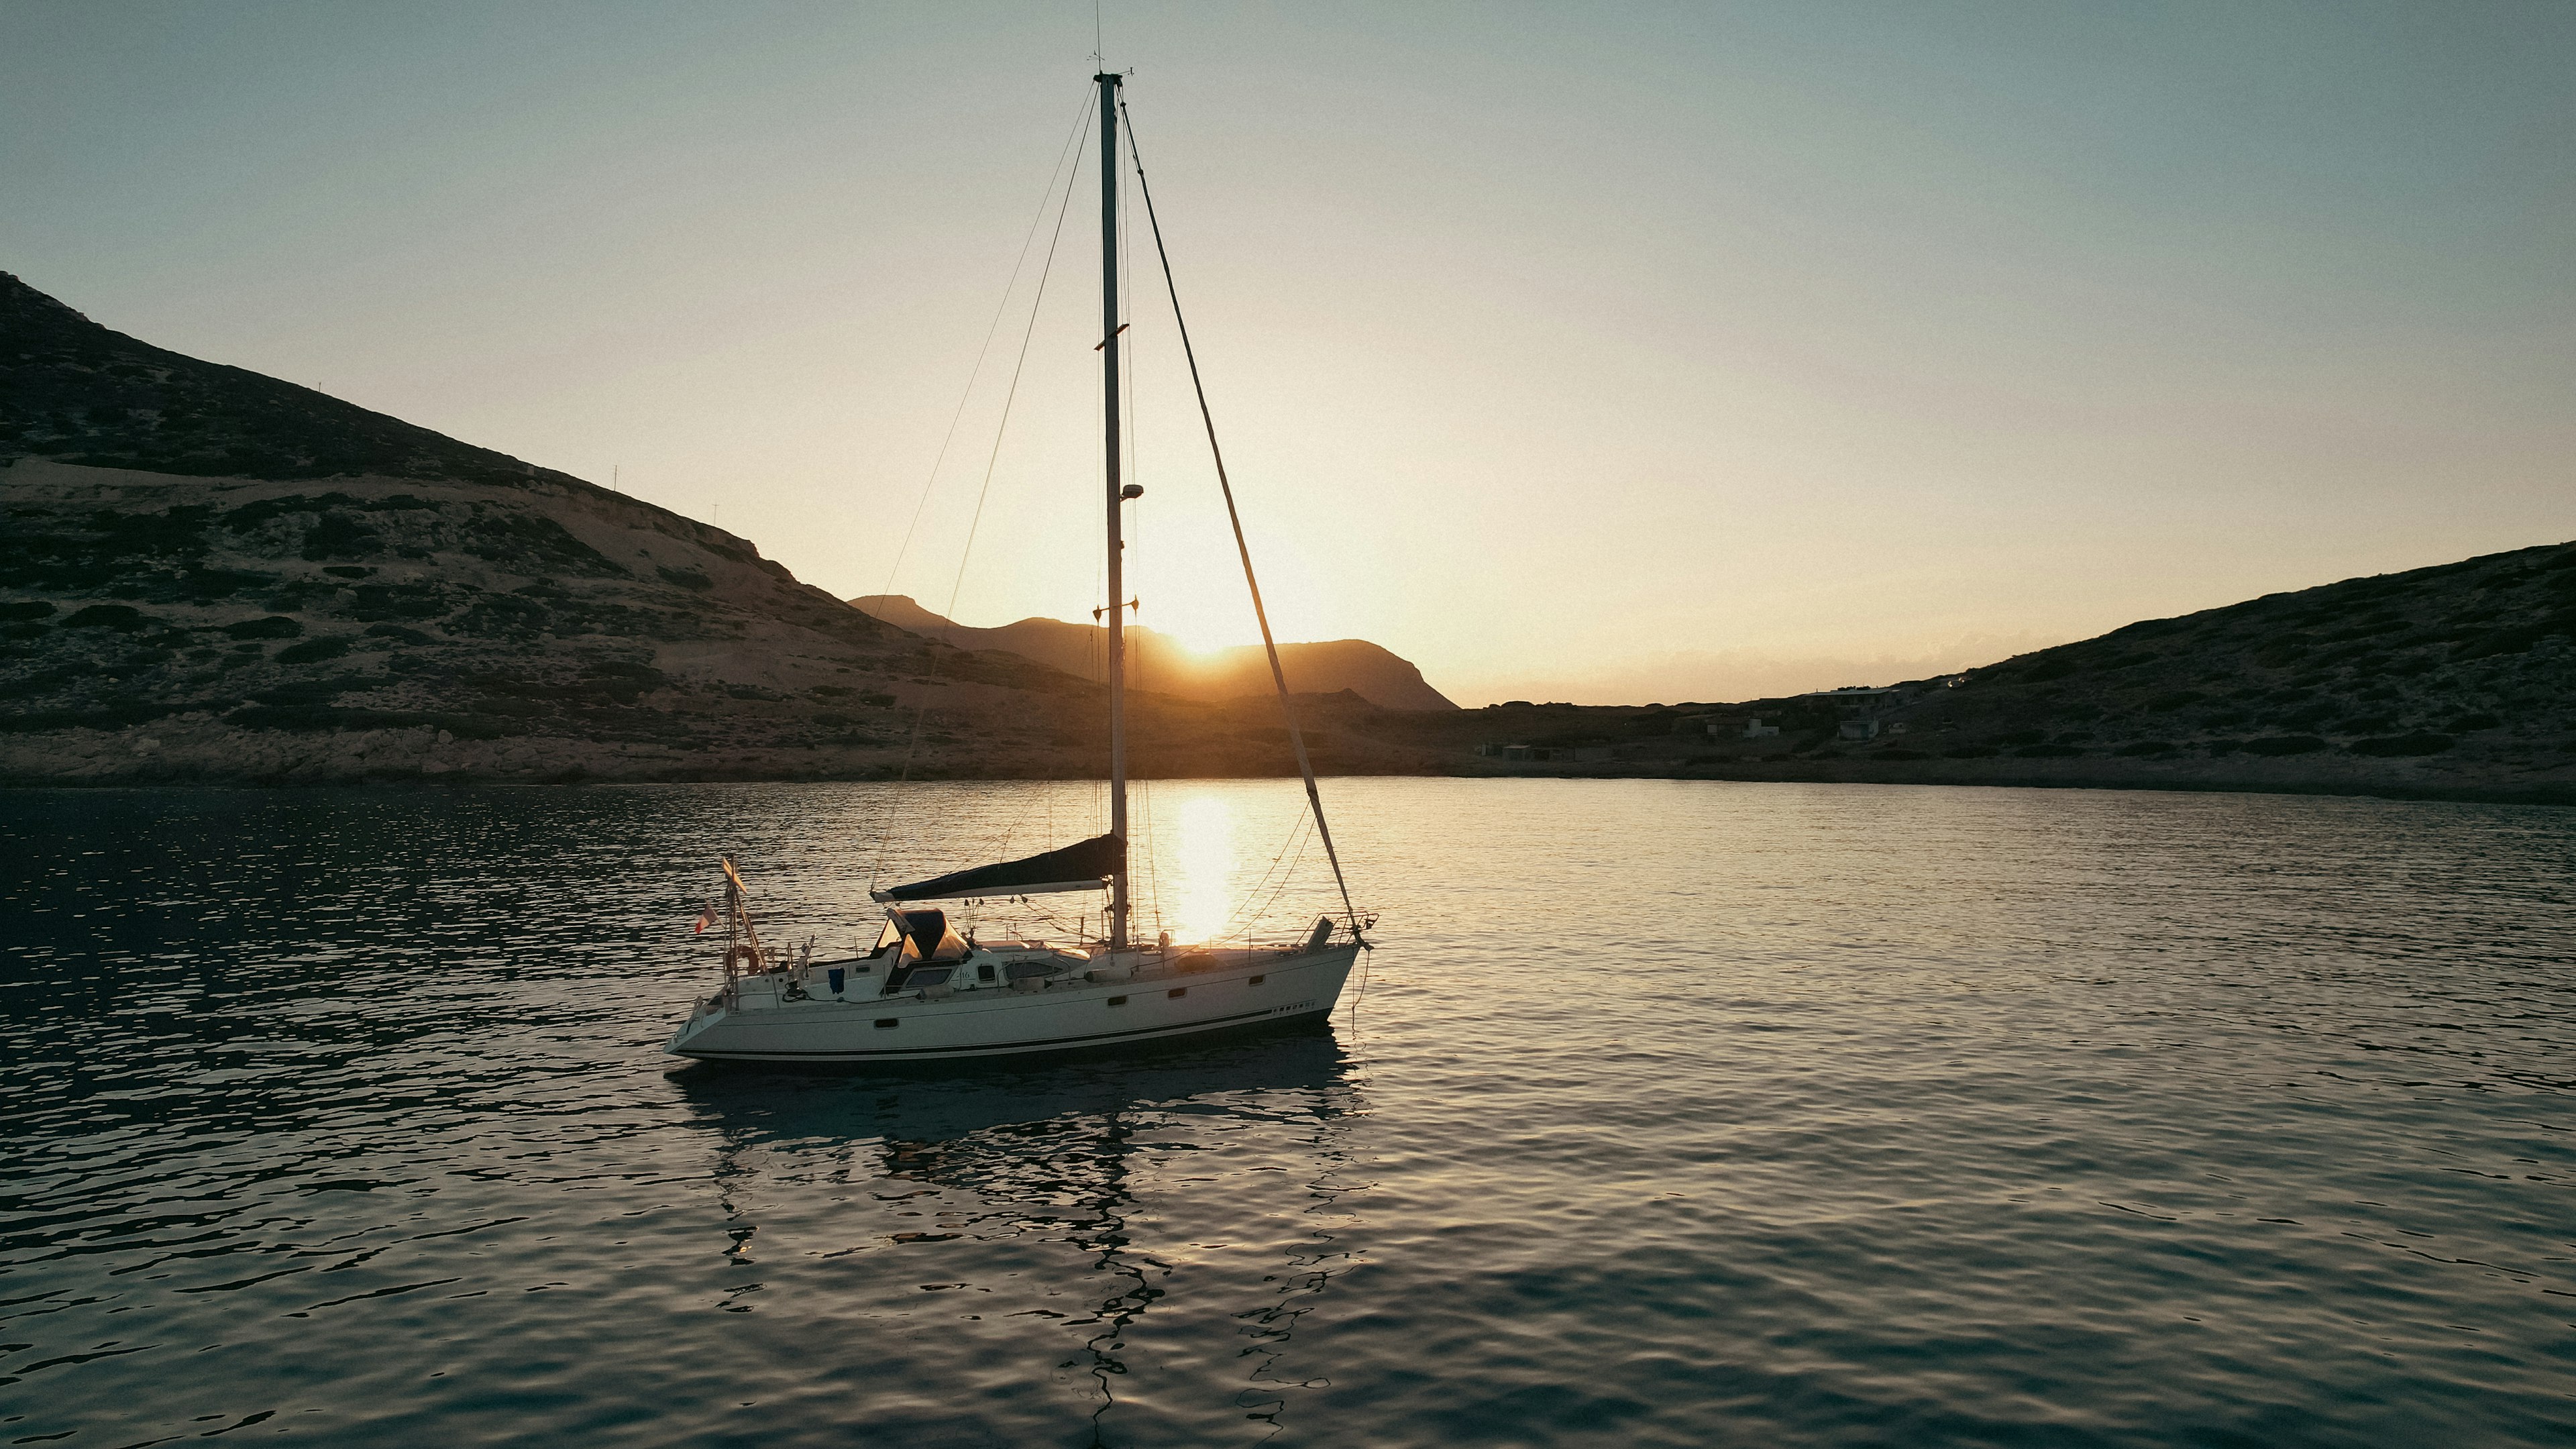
(1606, 353)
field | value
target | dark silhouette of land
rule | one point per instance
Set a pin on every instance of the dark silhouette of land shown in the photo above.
(1164, 665)
(2456, 681)
(216, 576)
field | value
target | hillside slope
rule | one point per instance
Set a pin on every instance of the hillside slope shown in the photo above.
(2466, 662)
(216, 576)
(2454, 681)
(73, 390)
(1163, 663)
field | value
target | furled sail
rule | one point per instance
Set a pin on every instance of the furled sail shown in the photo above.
(1078, 867)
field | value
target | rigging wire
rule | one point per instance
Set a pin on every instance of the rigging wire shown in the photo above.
(1046, 269)
(1093, 646)
(1145, 802)
(1134, 437)
(1296, 737)
(1074, 135)
(1132, 471)
(1256, 906)
(993, 459)
(1073, 140)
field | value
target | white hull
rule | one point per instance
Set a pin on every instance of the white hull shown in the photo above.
(760, 1021)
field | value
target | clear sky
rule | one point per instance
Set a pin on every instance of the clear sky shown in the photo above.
(1612, 353)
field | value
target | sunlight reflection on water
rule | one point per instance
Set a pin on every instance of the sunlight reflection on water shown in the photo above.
(1676, 1114)
(1202, 894)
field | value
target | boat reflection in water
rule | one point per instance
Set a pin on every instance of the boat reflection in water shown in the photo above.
(1067, 1227)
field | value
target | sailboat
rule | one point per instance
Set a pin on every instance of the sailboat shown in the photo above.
(929, 992)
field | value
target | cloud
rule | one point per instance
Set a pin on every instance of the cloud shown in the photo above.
(1710, 675)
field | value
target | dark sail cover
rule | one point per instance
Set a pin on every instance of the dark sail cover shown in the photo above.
(1077, 867)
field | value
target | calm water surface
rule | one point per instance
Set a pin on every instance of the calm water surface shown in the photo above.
(1674, 1114)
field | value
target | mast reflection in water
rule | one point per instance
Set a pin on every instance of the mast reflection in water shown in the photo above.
(1052, 1198)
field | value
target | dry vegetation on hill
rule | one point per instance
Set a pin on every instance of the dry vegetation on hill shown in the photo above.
(216, 576)
(157, 628)
(2469, 659)
(2457, 680)
(162, 627)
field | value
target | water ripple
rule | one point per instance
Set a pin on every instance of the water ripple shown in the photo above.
(1675, 1114)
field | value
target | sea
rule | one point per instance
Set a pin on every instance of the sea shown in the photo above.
(1661, 1113)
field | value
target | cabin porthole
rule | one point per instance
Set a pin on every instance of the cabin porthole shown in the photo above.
(1178, 991)
(1257, 980)
(886, 1021)
(1118, 1001)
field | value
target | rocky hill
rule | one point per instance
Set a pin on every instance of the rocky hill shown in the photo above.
(74, 391)
(2455, 681)
(2470, 664)
(216, 576)
(1164, 664)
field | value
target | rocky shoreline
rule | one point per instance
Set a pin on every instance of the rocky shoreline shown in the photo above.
(175, 755)
(216, 578)
(2559, 791)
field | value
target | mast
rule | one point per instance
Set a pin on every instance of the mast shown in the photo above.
(1117, 545)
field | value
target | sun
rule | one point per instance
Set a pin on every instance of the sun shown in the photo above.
(1191, 588)
(1201, 625)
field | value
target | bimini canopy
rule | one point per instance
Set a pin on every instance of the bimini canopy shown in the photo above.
(927, 934)
(1079, 867)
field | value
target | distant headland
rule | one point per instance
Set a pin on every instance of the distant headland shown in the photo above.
(1162, 665)
(218, 577)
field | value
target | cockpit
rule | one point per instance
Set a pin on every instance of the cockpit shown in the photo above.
(920, 949)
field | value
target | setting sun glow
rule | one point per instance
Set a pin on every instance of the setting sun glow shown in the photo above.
(1197, 896)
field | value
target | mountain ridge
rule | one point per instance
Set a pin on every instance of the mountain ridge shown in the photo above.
(1163, 663)
(83, 393)
(219, 577)
(2456, 680)
(397, 606)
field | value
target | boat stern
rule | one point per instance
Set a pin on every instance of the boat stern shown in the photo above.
(704, 1015)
